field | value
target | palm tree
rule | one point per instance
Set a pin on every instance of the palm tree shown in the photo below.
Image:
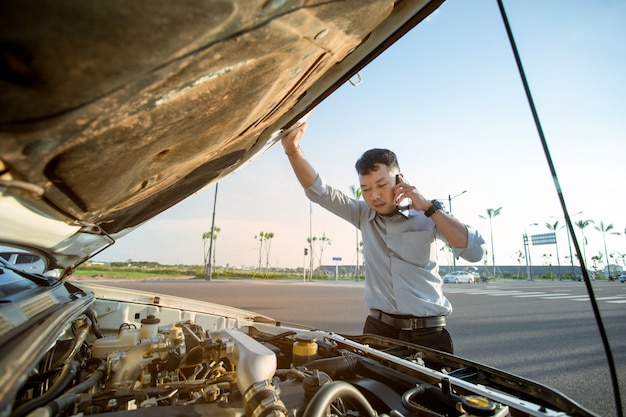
(554, 227)
(209, 253)
(547, 261)
(214, 235)
(582, 224)
(264, 241)
(259, 238)
(363, 257)
(520, 257)
(492, 214)
(596, 259)
(205, 238)
(356, 192)
(311, 240)
(622, 256)
(606, 229)
(268, 237)
(323, 240)
(446, 251)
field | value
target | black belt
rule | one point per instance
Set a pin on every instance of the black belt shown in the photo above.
(400, 322)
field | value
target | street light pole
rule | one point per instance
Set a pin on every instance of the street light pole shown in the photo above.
(571, 257)
(450, 198)
(529, 262)
(527, 256)
(311, 241)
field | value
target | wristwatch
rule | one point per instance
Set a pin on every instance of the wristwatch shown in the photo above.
(432, 209)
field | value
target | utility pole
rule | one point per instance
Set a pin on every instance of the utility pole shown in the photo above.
(304, 271)
(527, 256)
(311, 241)
(450, 198)
(209, 274)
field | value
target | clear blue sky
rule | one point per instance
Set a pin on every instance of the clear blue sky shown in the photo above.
(448, 100)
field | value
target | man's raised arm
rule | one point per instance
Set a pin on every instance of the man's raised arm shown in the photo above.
(304, 171)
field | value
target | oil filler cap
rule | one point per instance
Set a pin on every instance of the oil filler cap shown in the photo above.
(478, 405)
(151, 319)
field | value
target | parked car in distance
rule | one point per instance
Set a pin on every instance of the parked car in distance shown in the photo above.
(622, 278)
(458, 277)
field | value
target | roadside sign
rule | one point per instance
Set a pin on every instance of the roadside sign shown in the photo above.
(544, 239)
(336, 259)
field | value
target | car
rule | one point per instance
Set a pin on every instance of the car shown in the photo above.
(24, 261)
(622, 278)
(113, 112)
(458, 277)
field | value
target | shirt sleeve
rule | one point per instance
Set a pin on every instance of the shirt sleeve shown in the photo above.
(334, 201)
(475, 249)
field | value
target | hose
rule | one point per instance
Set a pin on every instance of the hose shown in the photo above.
(72, 396)
(330, 393)
(66, 376)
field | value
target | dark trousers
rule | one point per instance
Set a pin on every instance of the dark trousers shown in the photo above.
(435, 338)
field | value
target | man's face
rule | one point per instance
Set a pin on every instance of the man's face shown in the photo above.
(377, 189)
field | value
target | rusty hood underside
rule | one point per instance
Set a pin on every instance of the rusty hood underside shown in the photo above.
(114, 111)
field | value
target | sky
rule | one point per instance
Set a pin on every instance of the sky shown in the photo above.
(448, 100)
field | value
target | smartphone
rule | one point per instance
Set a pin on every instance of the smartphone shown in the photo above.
(403, 207)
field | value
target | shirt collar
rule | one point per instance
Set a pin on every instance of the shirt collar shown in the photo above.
(373, 215)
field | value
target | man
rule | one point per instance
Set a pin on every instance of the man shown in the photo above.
(403, 288)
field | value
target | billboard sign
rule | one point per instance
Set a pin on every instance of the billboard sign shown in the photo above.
(544, 239)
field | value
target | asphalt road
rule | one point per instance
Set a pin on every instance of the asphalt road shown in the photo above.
(543, 331)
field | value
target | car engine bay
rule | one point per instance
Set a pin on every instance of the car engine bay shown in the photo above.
(146, 355)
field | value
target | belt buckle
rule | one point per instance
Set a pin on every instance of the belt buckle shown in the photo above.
(413, 324)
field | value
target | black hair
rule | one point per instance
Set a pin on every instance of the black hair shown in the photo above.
(367, 163)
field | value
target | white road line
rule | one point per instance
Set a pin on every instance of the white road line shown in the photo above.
(619, 297)
(531, 294)
(566, 296)
(558, 294)
(495, 292)
(499, 294)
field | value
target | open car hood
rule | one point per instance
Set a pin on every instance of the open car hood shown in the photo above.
(115, 111)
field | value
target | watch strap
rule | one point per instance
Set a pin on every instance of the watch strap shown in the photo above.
(436, 205)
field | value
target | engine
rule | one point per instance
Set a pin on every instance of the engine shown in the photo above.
(155, 369)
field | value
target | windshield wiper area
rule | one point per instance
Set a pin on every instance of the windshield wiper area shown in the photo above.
(39, 279)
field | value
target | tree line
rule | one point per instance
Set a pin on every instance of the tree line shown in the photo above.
(601, 258)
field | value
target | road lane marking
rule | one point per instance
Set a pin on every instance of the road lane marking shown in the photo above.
(616, 299)
(557, 294)
(494, 292)
(561, 296)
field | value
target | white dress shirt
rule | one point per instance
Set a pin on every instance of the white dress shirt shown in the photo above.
(400, 254)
